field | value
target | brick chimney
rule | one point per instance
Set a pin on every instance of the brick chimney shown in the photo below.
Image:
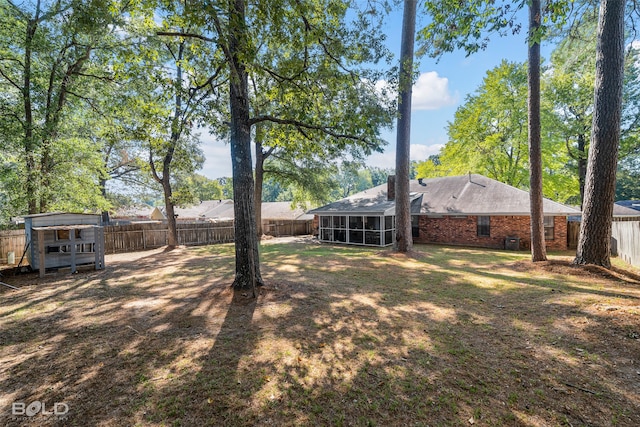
(391, 187)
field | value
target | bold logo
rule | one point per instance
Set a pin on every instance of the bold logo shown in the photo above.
(36, 407)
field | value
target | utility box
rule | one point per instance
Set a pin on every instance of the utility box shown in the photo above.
(512, 243)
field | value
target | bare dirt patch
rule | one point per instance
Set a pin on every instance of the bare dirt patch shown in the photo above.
(338, 336)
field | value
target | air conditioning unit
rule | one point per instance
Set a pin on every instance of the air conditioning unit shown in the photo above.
(512, 243)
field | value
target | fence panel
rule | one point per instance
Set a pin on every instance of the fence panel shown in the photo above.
(626, 235)
(154, 238)
(117, 239)
(11, 241)
(279, 228)
(573, 233)
(142, 236)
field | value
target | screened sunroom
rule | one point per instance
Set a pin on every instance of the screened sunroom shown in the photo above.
(367, 218)
(370, 230)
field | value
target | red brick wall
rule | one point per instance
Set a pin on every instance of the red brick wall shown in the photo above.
(463, 231)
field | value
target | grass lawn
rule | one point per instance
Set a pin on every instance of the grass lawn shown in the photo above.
(339, 336)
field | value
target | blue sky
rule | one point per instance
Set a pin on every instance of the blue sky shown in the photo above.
(439, 91)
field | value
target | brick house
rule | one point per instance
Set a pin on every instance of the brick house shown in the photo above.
(469, 210)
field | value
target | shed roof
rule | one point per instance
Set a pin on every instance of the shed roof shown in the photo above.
(64, 227)
(471, 194)
(42, 215)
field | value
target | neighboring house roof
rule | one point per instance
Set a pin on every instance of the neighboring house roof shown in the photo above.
(157, 214)
(142, 211)
(283, 211)
(209, 209)
(221, 210)
(632, 204)
(454, 195)
(622, 211)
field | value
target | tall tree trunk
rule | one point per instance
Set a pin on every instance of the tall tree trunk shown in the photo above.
(102, 183)
(538, 249)
(31, 187)
(172, 230)
(260, 158)
(176, 132)
(582, 165)
(594, 244)
(404, 239)
(46, 169)
(246, 239)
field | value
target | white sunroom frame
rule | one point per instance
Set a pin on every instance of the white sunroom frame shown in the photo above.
(364, 229)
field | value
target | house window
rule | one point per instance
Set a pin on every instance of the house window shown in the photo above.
(549, 226)
(415, 226)
(484, 226)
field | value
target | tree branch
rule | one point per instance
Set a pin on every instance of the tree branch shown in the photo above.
(121, 170)
(153, 167)
(93, 76)
(11, 82)
(301, 126)
(569, 149)
(15, 116)
(13, 60)
(187, 35)
(209, 81)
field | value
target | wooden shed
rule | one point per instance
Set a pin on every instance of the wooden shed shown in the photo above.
(58, 239)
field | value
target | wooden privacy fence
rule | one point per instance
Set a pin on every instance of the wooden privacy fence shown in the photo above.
(11, 241)
(143, 236)
(279, 228)
(625, 236)
(149, 235)
(573, 233)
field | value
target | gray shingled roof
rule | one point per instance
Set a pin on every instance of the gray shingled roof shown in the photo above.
(623, 211)
(369, 202)
(283, 211)
(453, 195)
(631, 204)
(223, 209)
(206, 209)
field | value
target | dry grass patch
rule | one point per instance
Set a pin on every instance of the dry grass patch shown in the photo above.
(339, 336)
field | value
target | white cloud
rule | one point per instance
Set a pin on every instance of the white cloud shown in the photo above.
(386, 160)
(431, 92)
(422, 152)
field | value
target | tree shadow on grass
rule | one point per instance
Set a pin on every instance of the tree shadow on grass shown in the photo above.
(354, 339)
(344, 352)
